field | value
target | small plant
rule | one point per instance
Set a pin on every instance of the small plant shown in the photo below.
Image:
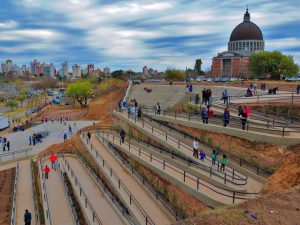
(210, 142)
(202, 138)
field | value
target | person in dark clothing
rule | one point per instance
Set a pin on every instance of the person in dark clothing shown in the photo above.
(243, 117)
(122, 135)
(197, 99)
(120, 105)
(226, 116)
(298, 89)
(204, 96)
(225, 97)
(139, 114)
(157, 108)
(65, 137)
(89, 135)
(240, 109)
(30, 140)
(204, 115)
(27, 217)
(8, 145)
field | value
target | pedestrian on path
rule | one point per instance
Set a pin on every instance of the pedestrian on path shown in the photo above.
(65, 137)
(225, 97)
(226, 116)
(30, 140)
(197, 99)
(223, 163)
(46, 171)
(89, 135)
(8, 145)
(53, 159)
(157, 108)
(202, 155)
(243, 118)
(139, 113)
(195, 148)
(3, 146)
(120, 105)
(27, 217)
(204, 115)
(70, 129)
(213, 157)
(122, 135)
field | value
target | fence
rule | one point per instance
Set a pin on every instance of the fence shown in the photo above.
(45, 197)
(12, 155)
(196, 180)
(14, 206)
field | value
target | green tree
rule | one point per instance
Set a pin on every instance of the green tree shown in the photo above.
(272, 65)
(117, 74)
(173, 74)
(21, 98)
(197, 67)
(24, 92)
(12, 104)
(80, 91)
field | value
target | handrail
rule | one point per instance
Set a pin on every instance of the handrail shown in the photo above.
(186, 174)
(238, 160)
(71, 204)
(235, 174)
(142, 179)
(82, 193)
(45, 195)
(281, 129)
(13, 214)
(61, 153)
(121, 184)
(13, 153)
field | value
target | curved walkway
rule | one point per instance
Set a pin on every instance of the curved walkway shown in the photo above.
(104, 208)
(147, 200)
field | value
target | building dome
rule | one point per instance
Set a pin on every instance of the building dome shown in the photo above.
(246, 36)
(246, 31)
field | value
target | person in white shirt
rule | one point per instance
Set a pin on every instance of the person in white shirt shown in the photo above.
(195, 148)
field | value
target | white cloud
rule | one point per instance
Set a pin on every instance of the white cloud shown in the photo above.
(8, 25)
(28, 35)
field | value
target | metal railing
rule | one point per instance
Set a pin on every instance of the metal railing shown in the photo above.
(238, 160)
(249, 126)
(14, 206)
(230, 172)
(120, 184)
(36, 207)
(195, 179)
(71, 203)
(82, 193)
(15, 153)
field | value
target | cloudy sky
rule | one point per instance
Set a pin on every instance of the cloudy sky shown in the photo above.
(131, 34)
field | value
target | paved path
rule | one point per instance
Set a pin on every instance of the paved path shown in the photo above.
(104, 208)
(25, 192)
(20, 140)
(60, 211)
(205, 188)
(145, 198)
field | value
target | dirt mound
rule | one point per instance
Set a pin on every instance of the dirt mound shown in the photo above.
(287, 176)
(275, 209)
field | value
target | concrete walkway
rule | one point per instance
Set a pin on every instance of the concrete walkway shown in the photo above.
(207, 193)
(25, 193)
(145, 198)
(60, 211)
(103, 206)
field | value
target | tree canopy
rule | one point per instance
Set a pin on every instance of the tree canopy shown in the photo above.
(117, 74)
(12, 104)
(80, 91)
(173, 74)
(197, 67)
(272, 65)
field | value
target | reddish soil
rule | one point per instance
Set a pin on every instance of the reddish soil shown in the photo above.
(281, 208)
(7, 180)
(261, 154)
(98, 109)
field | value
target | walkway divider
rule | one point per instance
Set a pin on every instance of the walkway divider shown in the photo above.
(197, 181)
(14, 206)
(36, 206)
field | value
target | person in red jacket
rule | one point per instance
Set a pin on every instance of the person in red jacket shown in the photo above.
(53, 159)
(46, 171)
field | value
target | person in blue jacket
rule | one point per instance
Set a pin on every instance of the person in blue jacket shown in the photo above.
(226, 116)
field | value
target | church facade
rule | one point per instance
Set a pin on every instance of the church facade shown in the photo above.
(245, 39)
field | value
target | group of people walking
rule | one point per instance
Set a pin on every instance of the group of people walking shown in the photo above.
(200, 154)
(206, 96)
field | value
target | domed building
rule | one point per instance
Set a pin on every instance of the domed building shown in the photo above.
(245, 39)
